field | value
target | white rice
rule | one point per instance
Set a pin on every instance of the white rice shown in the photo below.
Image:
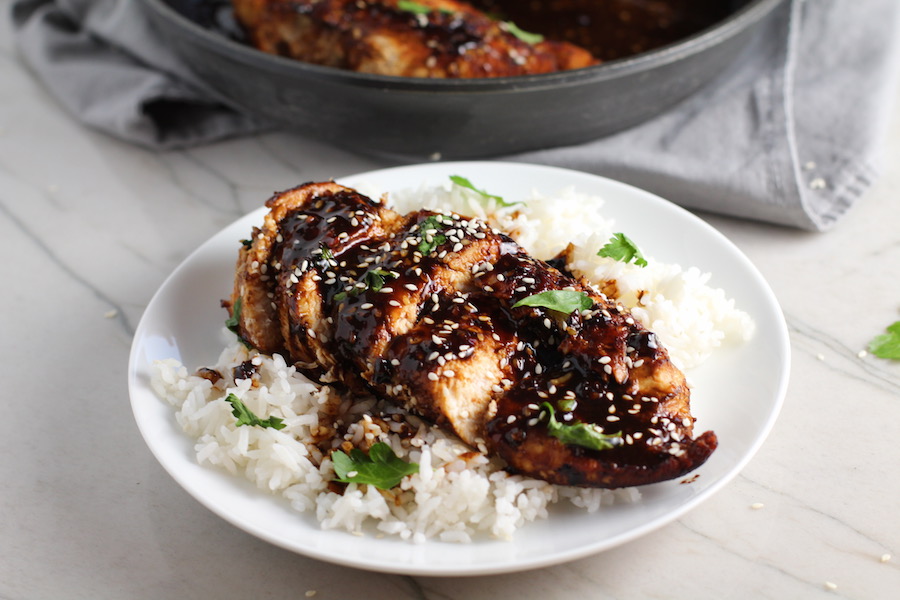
(456, 496)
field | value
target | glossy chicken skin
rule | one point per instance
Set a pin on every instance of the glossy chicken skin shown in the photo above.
(419, 309)
(425, 38)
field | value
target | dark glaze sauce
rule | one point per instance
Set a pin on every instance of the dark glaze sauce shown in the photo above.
(611, 29)
(608, 29)
(586, 380)
(581, 363)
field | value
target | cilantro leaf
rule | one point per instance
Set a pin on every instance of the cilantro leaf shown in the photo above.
(375, 278)
(246, 417)
(463, 182)
(621, 248)
(586, 435)
(232, 323)
(564, 301)
(525, 36)
(372, 280)
(887, 345)
(436, 239)
(381, 467)
(419, 9)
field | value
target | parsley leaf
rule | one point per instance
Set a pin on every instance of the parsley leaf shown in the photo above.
(586, 435)
(381, 467)
(326, 252)
(436, 239)
(564, 301)
(463, 182)
(525, 36)
(887, 345)
(620, 247)
(246, 417)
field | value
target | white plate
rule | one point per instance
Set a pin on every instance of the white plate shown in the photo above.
(737, 393)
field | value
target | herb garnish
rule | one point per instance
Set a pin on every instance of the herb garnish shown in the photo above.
(620, 247)
(586, 435)
(463, 182)
(372, 280)
(246, 417)
(233, 322)
(326, 252)
(887, 345)
(419, 9)
(381, 467)
(525, 36)
(436, 239)
(564, 301)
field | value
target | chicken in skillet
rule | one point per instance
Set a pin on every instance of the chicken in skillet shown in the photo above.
(421, 38)
(436, 313)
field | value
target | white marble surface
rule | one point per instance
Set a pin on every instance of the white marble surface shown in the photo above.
(92, 226)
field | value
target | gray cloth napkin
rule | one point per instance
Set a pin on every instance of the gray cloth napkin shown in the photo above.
(791, 135)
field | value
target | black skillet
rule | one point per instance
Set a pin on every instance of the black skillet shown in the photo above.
(420, 119)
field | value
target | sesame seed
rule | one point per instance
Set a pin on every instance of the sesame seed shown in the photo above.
(547, 323)
(449, 373)
(511, 419)
(605, 360)
(885, 558)
(830, 585)
(521, 288)
(607, 369)
(367, 306)
(393, 303)
(433, 355)
(757, 505)
(395, 362)
(433, 376)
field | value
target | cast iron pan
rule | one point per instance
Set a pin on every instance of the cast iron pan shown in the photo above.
(416, 119)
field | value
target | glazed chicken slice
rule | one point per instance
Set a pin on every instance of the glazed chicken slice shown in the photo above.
(423, 310)
(425, 38)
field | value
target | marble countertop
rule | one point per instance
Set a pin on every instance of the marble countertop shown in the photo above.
(93, 226)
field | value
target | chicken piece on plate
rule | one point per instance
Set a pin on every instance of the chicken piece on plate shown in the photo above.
(426, 311)
(424, 38)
